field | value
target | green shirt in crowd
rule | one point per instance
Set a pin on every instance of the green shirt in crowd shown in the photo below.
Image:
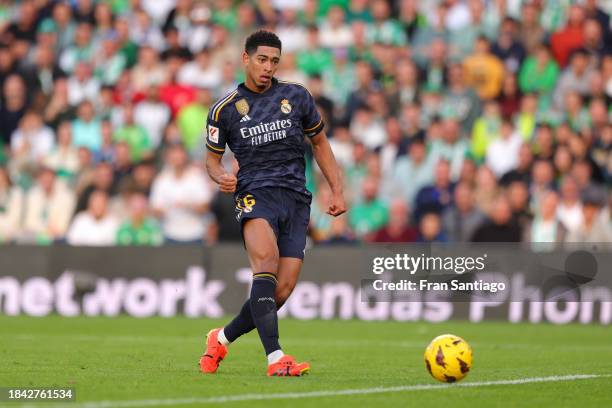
(533, 79)
(313, 62)
(190, 121)
(147, 233)
(137, 139)
(368, 217)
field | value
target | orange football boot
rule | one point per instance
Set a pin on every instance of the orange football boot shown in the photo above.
(215, 352)
(288, 367)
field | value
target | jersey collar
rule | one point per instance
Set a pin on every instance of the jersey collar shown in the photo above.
(244, 90)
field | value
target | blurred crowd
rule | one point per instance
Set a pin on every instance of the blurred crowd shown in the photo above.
(452, 120)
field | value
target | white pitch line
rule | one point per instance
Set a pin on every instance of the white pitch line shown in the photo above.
(310, 394)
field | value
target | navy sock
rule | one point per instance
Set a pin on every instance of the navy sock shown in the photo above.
(242, 323)
(263, 309)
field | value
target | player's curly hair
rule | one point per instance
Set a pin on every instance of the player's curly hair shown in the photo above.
(261, 37)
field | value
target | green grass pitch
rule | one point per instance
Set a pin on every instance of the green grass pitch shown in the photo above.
(125, 362)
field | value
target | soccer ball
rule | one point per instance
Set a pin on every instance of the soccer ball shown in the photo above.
(448, 358)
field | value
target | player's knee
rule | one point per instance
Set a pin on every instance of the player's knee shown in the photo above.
(266, 261)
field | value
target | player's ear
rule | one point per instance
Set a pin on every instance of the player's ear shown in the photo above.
(245, 58)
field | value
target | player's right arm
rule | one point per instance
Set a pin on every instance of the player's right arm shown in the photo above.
(226, 181)
(215, 143)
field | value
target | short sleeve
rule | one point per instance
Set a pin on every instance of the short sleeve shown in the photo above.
(312, 123)
(215, 133)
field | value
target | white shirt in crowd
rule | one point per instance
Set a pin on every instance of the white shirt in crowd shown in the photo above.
(570, 215)
(40, 142)
(193, 74)
(153, 117)
(88, 231)
(502, 154)
(340, 37)
(171, 195)
(80, 91)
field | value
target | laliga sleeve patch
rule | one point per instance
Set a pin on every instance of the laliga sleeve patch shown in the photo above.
(213, 134)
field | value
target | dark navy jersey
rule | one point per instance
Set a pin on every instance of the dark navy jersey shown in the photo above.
(266, 133)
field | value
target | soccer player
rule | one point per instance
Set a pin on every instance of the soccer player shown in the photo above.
(264, 121)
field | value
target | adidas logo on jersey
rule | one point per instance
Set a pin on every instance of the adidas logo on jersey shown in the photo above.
(245, 118)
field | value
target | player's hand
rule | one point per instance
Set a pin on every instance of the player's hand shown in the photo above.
(337, 206)
(227, 183)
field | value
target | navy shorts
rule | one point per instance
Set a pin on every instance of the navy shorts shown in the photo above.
(287, 212)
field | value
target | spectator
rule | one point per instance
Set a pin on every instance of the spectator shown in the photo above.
(545, 226)
(109, 61)
(592, 230)
(486, 189)
(510, 97)
(539, 72)
(148, 71)
(180, 197)
(368, 128)
(65, 25)
(438, 196)
(134, 135)
(569, 209)
(291, 33)
(122, 163)
(82, 85)
(483, 70)
(153, 115)
(500, 226)
(531, 33)
(570, 37)
(460, 101)
(428, 32)
(503, 152)
(370, 215)
(30, 143)
(462, 219)
(518, 197)
(486, 128)
(508, 48)
(313, 59)
(191, 120)
(430, 229)
(141, 228)
(384, 29)
(335, 33)
(103, 180)
(200, 73)
(451, 147)
(49, 206)
(64, 158)
(13, 107)
(143, 176)
(397, 228)
(340, 233)
(576, 77)
(412, 172)
(82, 49)
(11, 208)
(95, 226)
(58, 108)
(542, 180)
(86, 129)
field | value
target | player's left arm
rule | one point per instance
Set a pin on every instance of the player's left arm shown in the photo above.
(324, 156)
(312, 123)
